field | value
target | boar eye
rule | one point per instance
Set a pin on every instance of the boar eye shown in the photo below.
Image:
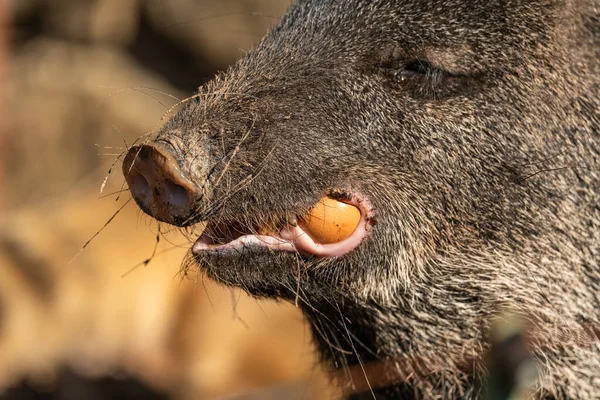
(416, 71)
(421, 79)
(420, 67)
(424, 71)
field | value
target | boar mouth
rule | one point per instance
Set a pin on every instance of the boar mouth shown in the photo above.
(231, 238)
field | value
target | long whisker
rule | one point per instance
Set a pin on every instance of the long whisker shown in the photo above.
(113, 193)
(105, 180)
(138, 89)
(100, 230)
(360, 362)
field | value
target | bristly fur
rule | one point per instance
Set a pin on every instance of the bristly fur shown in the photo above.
(472, 127)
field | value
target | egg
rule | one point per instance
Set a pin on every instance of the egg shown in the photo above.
(331, 221)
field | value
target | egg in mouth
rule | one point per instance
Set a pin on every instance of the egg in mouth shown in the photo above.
(332, 228)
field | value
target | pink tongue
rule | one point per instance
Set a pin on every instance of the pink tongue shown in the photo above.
(305, 244)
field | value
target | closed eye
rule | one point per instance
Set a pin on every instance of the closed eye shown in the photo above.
(422, 79)
(424, 71)
(420, 67)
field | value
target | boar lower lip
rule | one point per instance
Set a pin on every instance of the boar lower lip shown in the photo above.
(297, 235)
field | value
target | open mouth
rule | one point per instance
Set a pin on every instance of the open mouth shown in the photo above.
(332, 228)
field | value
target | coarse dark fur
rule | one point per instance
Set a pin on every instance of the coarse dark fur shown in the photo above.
(472, 127)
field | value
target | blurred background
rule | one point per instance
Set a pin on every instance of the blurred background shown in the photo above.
(79, 80)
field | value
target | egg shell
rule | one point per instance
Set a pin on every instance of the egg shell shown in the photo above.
(331, 221)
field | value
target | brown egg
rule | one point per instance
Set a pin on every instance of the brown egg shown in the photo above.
(331, 221)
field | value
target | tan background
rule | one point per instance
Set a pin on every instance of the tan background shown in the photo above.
(83, 78)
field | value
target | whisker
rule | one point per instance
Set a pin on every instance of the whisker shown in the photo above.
(105, 180)
(148, 260)
(138, 89)
(360, 362)
(100, 230)
(113, 193)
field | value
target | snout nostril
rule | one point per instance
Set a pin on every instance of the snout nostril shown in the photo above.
(140, 189)
(177, 196)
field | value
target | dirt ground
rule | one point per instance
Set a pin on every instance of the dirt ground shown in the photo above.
(84, 78)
